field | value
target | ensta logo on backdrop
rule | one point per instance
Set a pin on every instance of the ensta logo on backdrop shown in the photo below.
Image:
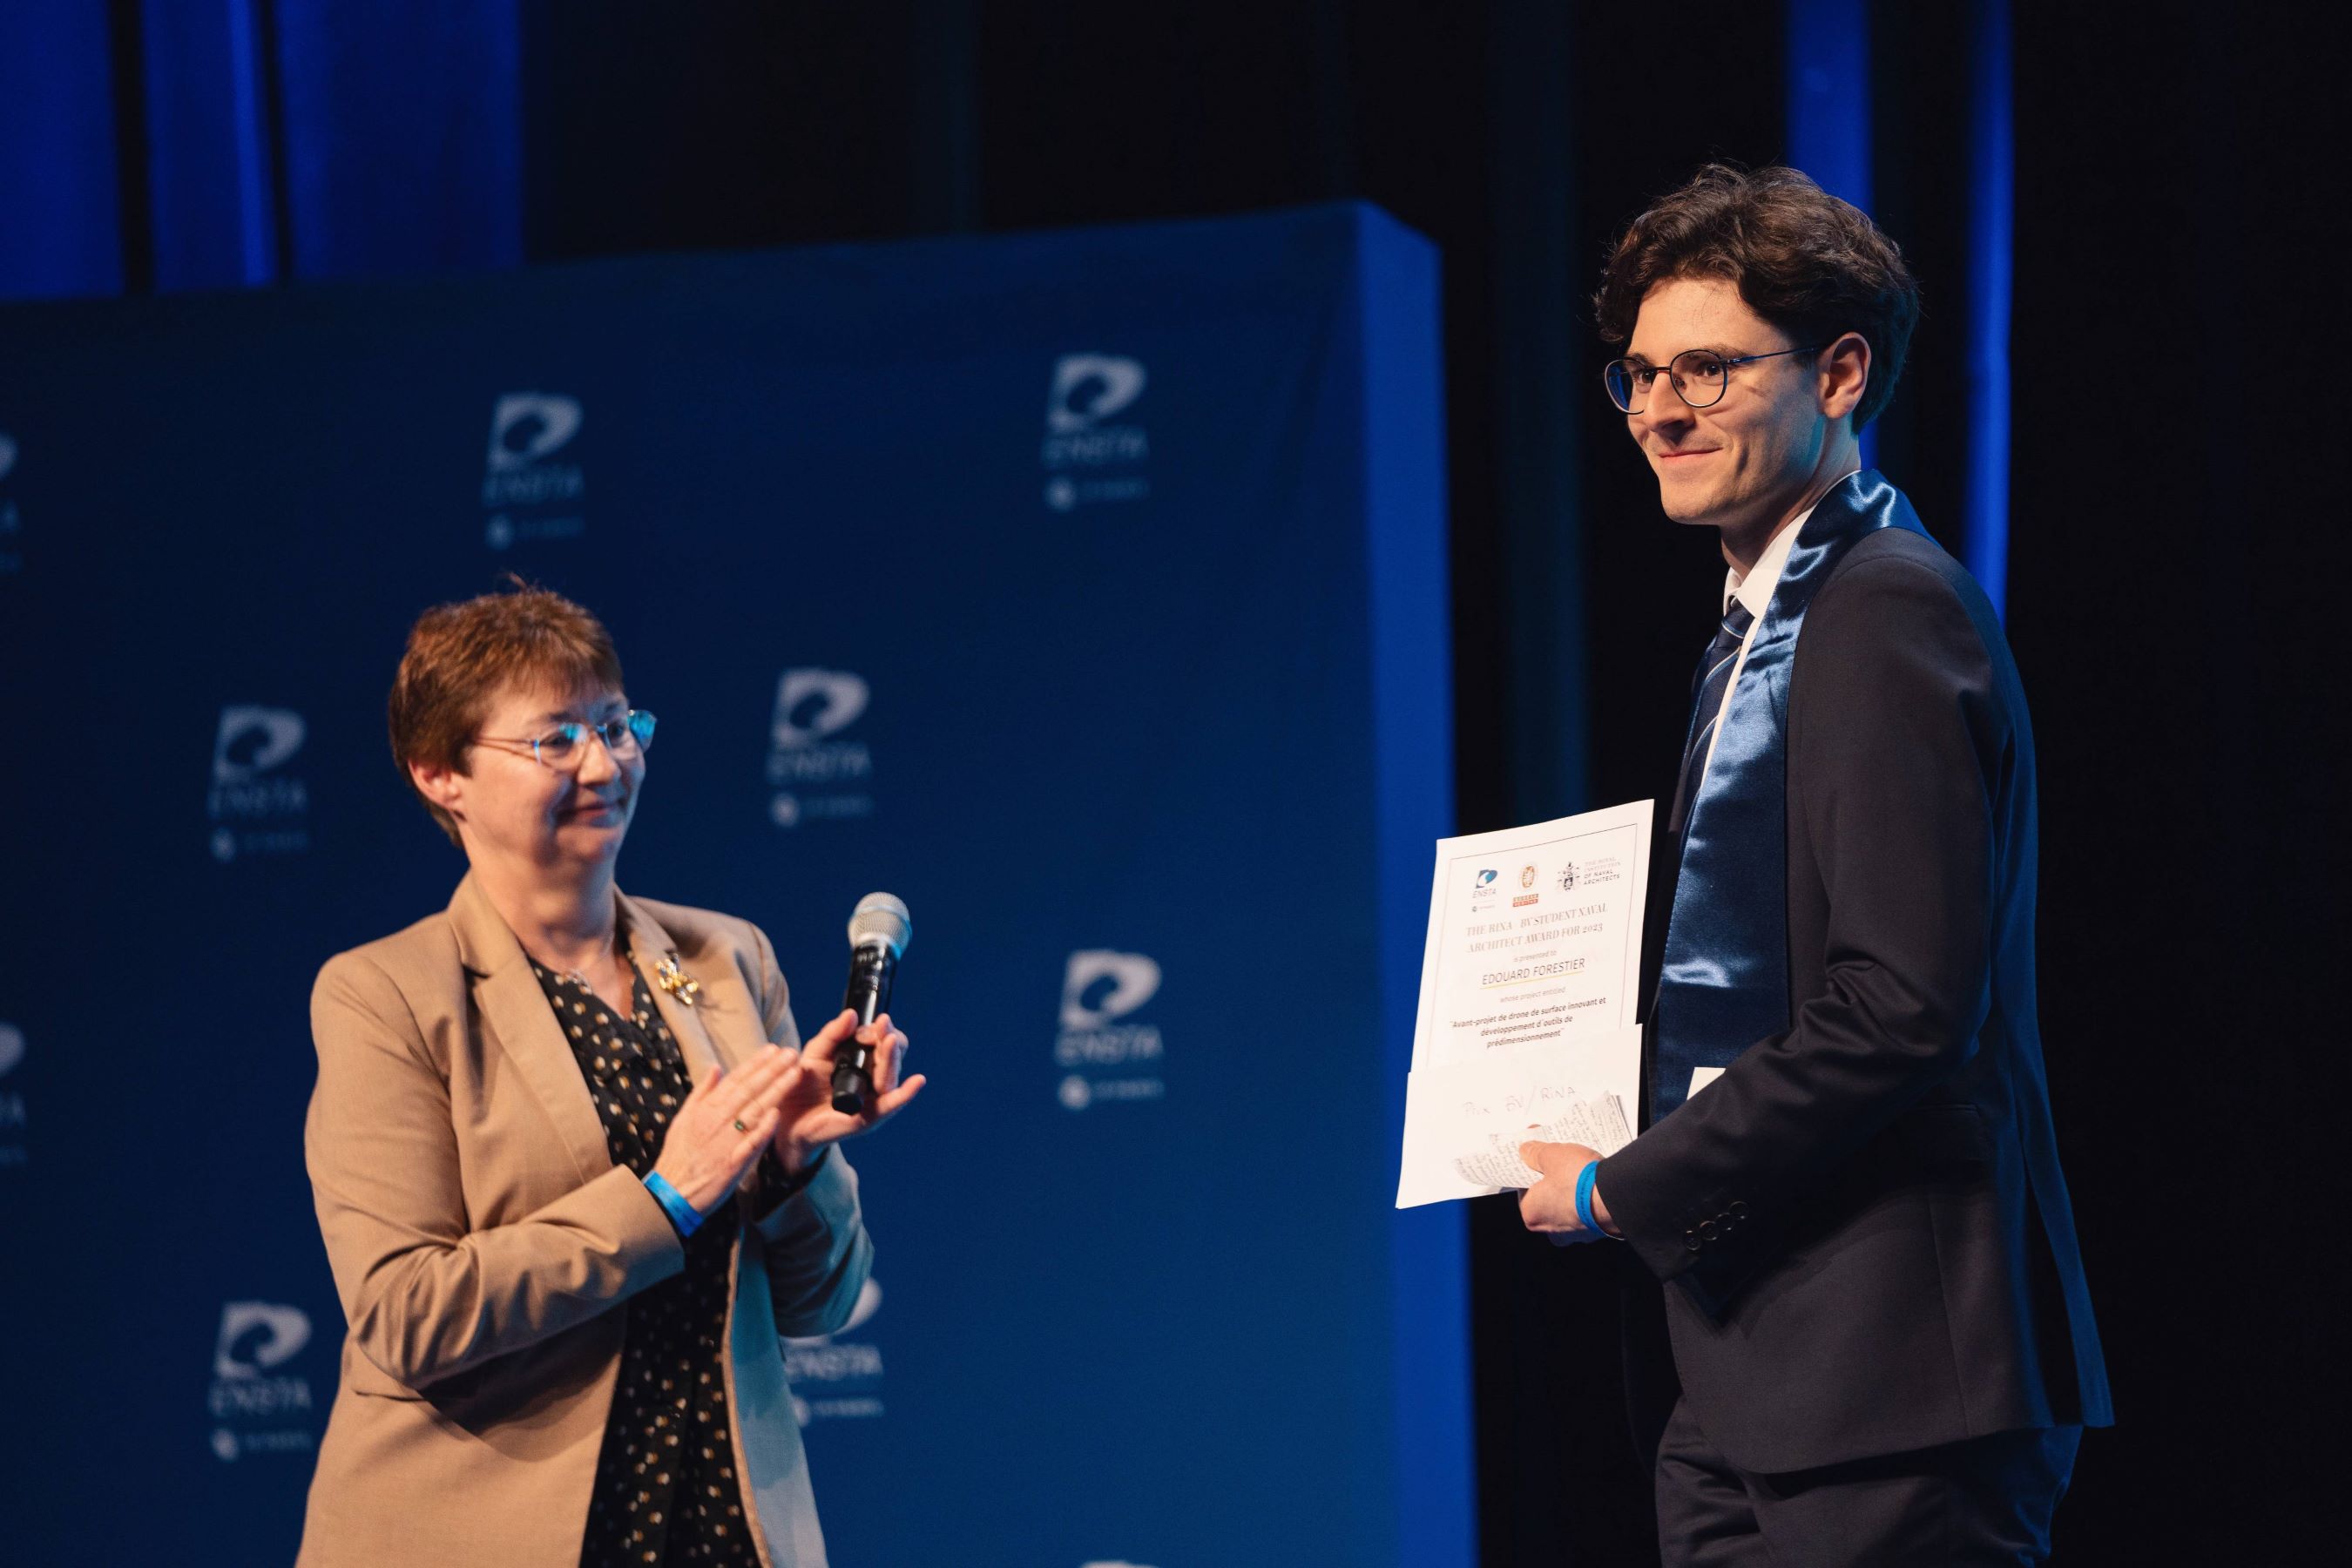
(850, 1372)
(1104, 1054)
(258, 805)
(12, 1103)
(261, 1406)
(11, 522)
(529, 490)
(1088, 455)
(819, 773)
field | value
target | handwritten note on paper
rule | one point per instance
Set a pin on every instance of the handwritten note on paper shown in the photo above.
(1465, 1120)
(1598, 1123)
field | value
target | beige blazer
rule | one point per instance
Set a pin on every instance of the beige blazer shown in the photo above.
(482, 1239)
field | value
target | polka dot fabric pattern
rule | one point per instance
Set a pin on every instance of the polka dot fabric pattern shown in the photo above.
(667, 1491)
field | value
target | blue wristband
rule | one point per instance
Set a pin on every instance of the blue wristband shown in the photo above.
(673, 1202)
(1584, 1180)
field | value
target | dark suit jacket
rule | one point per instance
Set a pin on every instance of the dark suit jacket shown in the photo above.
(1863, 1224)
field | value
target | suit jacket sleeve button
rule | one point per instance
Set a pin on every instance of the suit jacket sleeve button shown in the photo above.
(1707, 1230)
(1690, 1240)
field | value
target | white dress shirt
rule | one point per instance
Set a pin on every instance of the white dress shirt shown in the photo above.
(1752, 588)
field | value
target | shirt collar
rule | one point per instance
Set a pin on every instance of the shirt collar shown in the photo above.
(1754, 587)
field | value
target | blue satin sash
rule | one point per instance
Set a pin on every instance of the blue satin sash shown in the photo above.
(1724, 985)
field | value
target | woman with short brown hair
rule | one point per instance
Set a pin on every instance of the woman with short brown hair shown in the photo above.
(574, 1171)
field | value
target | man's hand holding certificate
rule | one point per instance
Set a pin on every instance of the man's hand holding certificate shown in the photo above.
(1526, 1032)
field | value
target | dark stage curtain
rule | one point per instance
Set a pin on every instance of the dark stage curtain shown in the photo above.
(2177, 599)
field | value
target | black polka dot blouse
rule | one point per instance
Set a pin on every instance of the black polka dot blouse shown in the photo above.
(665, 1489)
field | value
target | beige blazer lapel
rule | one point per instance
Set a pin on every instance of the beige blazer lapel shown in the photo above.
(515, 1013)
(722, 1024)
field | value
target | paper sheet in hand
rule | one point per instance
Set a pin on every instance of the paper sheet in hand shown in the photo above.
(1527, 999)
(1463, 1121)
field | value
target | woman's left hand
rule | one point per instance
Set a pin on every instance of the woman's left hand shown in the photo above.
(809, 1121)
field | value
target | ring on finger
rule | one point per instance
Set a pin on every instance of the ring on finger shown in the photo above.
(740, 1127)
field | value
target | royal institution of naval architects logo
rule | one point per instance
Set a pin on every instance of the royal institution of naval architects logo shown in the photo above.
(1103, 1051)
(259, 1403)
(819, 772)
(12, 1101)
(533, 486)
(258, 804)
(12, 522)
(1095, 449)
(834, 1377)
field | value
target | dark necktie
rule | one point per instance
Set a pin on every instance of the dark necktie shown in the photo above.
(1714, 679)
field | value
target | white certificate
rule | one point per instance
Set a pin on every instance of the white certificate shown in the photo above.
(1527, 1027)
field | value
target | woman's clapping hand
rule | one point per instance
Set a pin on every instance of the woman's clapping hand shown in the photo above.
(724, 1123)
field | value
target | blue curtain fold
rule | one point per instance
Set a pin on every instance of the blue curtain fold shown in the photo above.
(233, 143)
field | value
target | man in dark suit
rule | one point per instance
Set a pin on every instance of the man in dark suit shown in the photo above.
(1849, 1181)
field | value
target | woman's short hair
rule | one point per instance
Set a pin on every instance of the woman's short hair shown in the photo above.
(459, 654)
(1812, 265)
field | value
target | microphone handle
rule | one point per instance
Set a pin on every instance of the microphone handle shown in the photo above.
(872, 967)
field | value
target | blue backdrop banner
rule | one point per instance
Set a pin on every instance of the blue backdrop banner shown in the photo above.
(1084, 590)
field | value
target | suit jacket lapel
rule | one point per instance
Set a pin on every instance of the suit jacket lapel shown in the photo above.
(721, 1026)
(516, 1014)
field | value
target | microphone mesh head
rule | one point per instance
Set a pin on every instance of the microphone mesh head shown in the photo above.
(883, 918)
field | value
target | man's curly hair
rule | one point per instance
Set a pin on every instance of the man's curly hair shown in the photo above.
(1812, 265)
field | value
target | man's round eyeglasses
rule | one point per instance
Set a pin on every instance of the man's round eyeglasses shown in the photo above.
(565, 747)
(1699, 377)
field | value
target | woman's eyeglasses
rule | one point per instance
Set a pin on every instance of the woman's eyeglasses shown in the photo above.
(565, 747)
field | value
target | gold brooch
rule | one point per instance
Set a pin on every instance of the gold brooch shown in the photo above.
(676, 982)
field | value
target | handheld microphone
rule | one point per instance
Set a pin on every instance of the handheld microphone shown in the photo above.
(879, 931)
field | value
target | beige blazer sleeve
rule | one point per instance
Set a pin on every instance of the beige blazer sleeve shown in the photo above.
(426, 1294)
(817, 1253)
